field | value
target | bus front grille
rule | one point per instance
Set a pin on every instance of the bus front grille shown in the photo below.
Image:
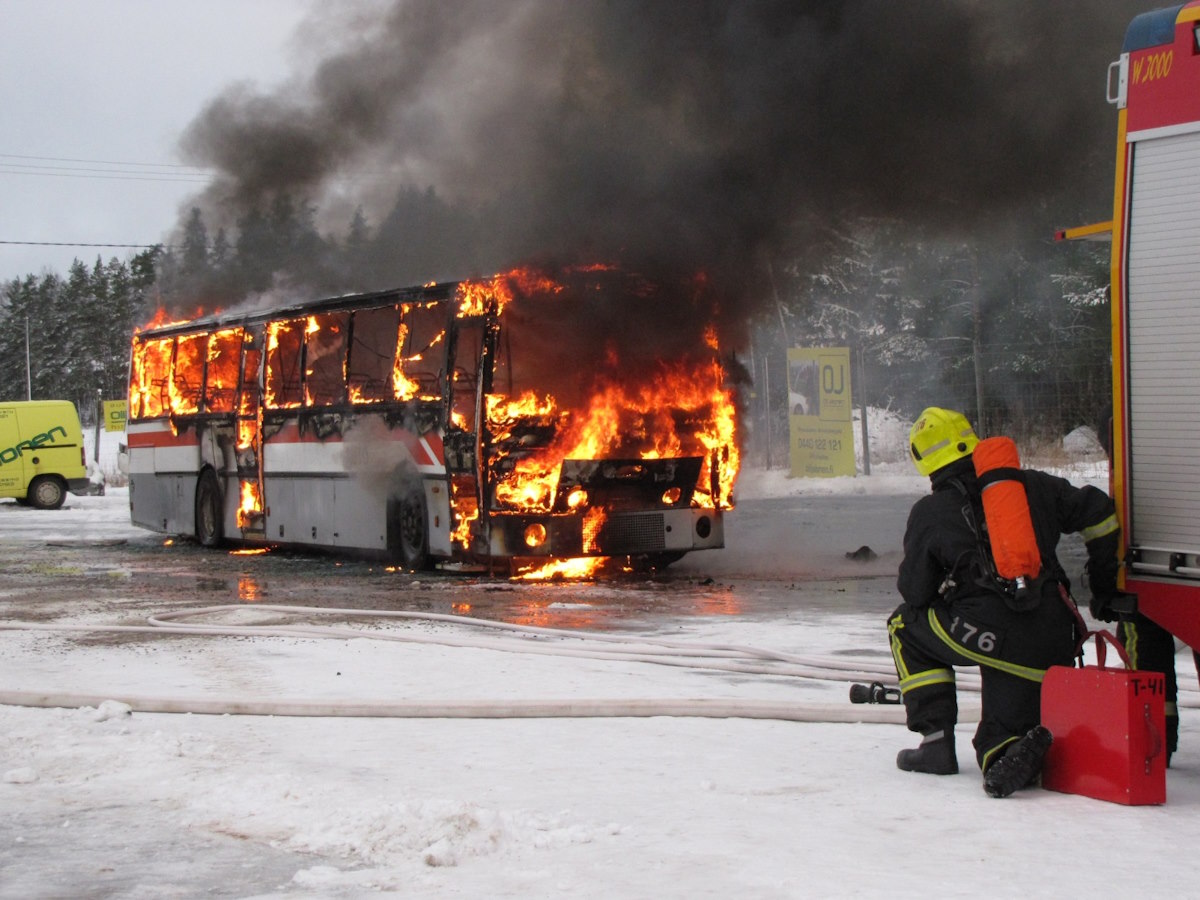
(627, 534)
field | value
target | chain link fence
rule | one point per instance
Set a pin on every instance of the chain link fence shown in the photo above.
(1037, 396)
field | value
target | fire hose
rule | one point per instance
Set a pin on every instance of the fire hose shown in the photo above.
(735, 658)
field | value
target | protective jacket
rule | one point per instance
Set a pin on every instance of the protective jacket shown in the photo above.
(943, 539)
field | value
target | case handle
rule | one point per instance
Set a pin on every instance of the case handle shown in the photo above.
(1107, 637)
(1156, 738)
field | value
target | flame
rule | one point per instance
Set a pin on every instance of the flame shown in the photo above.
(476, 297)
(148, 393)
(276, 388)
(250, 508)
(682, 409)
(573, 569)
(403, 387)
(160, 319)
(593, 521)
(465, 505)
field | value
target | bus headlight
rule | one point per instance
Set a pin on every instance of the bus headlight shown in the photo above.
(535, 535)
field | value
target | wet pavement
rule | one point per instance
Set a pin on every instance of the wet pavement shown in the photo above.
(782, 556)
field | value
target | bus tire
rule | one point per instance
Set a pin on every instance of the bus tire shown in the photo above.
(210, 520)
(46, 492)
(409, 525)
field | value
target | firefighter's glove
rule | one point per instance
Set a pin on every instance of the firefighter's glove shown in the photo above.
(1113, 605)
(1102, 580)
(1101, 606)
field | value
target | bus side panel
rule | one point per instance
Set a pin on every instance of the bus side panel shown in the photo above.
(360, 520)
(334, 492)
(163, 473)
(437, 503)
(279, 506)
(164, 503)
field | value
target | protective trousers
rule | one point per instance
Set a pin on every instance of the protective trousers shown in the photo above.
(1012, 650)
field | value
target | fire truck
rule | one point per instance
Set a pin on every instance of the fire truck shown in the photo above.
(1155, 85)
(394, 424)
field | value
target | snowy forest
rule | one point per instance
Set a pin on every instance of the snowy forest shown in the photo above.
(1009, 326)
(903, 209)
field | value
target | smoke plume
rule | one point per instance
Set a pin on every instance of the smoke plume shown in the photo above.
(672, 138)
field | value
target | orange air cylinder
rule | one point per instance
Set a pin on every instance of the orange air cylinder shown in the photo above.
(1006, 508)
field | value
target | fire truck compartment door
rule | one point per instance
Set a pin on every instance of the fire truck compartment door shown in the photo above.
(1163, 308)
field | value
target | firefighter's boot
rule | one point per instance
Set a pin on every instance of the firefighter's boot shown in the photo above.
(935, 756)
(1020, 765)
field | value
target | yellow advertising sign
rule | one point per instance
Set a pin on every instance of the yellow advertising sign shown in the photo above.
(820, 412)
(115, 412)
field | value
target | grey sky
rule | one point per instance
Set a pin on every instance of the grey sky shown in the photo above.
(116, 81)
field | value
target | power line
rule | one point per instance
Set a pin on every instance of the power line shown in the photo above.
(76, 167)
(102, 162)
(70, 244)
(110, 174)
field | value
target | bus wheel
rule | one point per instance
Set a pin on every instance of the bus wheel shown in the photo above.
(210, 520)
(46, 492)
(410, 524)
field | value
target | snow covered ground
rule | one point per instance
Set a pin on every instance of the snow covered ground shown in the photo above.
(98, 801)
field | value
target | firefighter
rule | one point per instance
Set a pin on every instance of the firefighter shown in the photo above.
(957, 611)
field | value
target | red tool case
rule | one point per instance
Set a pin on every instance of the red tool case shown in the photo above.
(1108, 727)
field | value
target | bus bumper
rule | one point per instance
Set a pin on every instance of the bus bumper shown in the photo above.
(562, 536)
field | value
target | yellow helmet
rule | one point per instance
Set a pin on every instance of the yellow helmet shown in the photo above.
(938, 438)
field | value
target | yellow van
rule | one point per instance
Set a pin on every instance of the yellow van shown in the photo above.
(41, 452)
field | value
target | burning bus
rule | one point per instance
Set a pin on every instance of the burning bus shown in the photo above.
(403, 424)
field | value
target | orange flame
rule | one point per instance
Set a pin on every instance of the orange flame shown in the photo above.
(250, 507)
(571, 569)
(682, 409)
(466, 511)
(477, 296)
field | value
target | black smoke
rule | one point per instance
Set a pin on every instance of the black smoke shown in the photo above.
(672, 137)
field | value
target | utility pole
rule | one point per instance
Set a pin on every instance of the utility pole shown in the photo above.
(28, 375)
(977, 355)
(862, 406)
(99, 416)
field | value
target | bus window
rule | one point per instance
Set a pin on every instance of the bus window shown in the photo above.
(372, 354)
(247, 404)
(222, 377)
(148, 396)
(325, 359)
(420, 351)
(468, 348)
(187, 375)
(284, 341)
